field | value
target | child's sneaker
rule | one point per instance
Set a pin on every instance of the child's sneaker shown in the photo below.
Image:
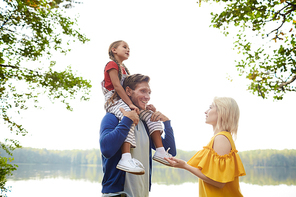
(159, 157)
(132, 166)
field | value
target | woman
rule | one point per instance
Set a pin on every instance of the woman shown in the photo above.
(218, 166)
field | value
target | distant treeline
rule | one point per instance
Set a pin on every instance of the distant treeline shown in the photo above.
(269, 158)
(255, 158)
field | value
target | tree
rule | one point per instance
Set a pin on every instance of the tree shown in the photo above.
(270, 61)
(31, 30)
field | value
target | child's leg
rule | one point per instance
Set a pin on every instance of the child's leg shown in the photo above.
(127, 163)
(126, 147)
(156, 138)
(155, 131)
(130, 142)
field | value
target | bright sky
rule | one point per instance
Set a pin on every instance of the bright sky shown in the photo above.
(188, 63)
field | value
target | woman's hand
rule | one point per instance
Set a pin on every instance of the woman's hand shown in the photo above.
(176, 163)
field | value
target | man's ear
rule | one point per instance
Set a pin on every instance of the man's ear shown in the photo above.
(128, 91)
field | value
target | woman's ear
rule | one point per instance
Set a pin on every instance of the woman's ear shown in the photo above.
(128, 91)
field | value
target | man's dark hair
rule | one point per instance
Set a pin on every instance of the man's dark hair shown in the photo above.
(133, 80)
(130, 81)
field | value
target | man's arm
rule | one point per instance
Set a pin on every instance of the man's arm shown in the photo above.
(113, 134)
(168, 140)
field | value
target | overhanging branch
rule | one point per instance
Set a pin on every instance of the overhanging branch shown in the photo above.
(16, 67)
(288, 82)
(9, 66)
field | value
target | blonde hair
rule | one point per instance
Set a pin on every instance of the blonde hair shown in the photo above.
(228, 114)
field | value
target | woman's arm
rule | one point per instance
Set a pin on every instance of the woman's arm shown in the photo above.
(221, 146)
(178, 163)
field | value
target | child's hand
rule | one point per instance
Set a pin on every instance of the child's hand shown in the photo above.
(151, 107)
(133, 107)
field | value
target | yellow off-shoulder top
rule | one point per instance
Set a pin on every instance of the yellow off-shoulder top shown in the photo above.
(224, 169)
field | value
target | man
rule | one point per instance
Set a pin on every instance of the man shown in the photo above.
(113, 133)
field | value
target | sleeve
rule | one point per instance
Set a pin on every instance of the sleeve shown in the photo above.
(222, 169)
(113, 134)
(168, 140)
(110, 66)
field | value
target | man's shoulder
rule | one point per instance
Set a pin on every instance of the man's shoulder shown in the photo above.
(110, 116)
(110, 119)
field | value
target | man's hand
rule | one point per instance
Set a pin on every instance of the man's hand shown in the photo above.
(156, 116)
(131, 115)
(133, 107)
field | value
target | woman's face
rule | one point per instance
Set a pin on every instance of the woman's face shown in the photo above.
(212, 115)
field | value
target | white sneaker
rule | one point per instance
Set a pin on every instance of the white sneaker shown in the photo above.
(132, 166)
(159, 157)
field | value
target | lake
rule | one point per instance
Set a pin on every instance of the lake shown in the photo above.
(75, 181)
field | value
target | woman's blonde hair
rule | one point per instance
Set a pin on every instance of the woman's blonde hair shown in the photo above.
(228, 114)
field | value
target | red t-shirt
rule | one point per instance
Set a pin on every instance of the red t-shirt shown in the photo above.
(108, 83)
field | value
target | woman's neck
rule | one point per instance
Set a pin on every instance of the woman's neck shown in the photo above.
(216, 130)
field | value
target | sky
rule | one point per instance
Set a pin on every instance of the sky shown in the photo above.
(188, 63)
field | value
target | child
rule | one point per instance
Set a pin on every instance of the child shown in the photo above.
(116, 98)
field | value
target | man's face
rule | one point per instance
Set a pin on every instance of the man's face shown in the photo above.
(141, 95)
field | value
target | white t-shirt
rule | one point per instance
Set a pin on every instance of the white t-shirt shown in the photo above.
(138, 185)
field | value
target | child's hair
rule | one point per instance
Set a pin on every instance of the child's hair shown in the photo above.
(111, 56)
(228, 114)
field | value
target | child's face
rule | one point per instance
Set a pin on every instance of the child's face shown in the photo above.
(121, 53)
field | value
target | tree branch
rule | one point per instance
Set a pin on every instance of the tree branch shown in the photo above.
(16, 67)
(5, 21)
(284, 20)
(259, 90)
(9, 66)
(283, 15)
(288, 82)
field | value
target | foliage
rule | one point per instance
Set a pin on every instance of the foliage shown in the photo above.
(31, 30)
(269, 56)
(6, 169)
(44, 156)
(269, 158)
